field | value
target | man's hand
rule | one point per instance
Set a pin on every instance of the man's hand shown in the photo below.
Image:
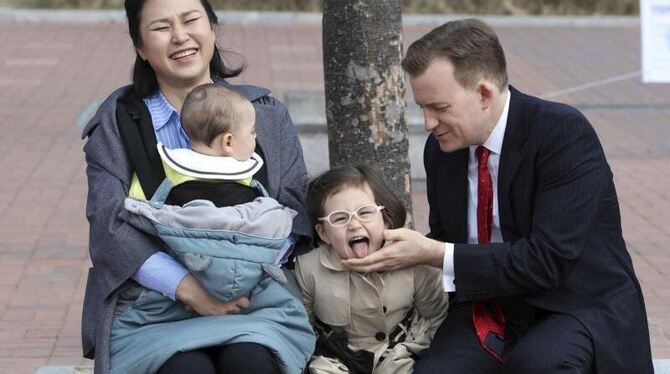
(404, 248)
(197, 299)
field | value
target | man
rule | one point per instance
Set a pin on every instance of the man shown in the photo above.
(524, 222)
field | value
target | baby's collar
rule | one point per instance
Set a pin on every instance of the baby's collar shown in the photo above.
(193, 164)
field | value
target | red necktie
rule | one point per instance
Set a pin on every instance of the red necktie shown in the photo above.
(487, 315)
(484, 196)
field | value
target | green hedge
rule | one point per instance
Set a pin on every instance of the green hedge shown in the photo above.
(580, 7)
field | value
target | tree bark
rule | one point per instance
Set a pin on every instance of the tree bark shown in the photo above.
(365, 89)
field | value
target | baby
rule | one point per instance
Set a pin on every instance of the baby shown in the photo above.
(366, 323)
(220, 124)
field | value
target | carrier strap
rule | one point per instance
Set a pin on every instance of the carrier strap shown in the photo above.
(137, 133)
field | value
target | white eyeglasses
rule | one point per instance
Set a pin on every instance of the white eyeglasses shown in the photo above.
(341, 218)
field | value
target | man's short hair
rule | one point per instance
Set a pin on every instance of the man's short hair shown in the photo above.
(210, 110)
(470, 45)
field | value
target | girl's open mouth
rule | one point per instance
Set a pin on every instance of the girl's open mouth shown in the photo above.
(359, 246)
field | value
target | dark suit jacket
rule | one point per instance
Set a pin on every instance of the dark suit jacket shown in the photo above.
(563, 251)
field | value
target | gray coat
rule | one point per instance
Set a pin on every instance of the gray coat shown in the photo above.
(118, 249)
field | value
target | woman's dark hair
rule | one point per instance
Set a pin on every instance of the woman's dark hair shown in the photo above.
(144, 77)
(337, 179)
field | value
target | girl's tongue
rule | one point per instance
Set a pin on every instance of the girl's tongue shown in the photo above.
(360, 247)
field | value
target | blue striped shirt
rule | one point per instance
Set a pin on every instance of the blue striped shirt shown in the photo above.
(161, 272)
(166, 121)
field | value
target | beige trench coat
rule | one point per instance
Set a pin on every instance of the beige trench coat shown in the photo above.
(369, 307)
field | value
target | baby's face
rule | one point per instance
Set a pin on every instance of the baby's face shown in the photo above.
(243, 142)
(356, 239)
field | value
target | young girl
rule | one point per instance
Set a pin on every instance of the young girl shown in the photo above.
(367, 323)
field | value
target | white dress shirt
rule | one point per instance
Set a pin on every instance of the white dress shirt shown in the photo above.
(494, 144)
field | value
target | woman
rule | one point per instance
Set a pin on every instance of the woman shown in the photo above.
(176, 51)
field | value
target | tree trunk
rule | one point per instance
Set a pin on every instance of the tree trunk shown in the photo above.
(365, 89)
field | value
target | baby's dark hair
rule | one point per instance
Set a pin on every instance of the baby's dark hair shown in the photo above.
(337, 179)
(209, 110)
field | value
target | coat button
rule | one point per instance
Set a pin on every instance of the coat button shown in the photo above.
(380, 336)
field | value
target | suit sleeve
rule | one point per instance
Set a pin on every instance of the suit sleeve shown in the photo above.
(430, 152)
(572, 176)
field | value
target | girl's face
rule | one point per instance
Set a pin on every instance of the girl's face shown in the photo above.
(178, 42)
(356, 239)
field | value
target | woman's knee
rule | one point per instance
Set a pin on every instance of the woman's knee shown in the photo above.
(188, 362)
(247, 358)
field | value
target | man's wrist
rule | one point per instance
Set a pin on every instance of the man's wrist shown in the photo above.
(436, 250)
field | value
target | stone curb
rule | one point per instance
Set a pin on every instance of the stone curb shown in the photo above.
(661, 366)
(289, 18)
(64, 370)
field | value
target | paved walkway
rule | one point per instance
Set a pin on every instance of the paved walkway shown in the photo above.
(52, 76)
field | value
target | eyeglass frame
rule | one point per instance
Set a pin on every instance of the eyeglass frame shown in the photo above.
(352, 214)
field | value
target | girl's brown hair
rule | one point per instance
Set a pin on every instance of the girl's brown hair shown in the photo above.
(337, 179)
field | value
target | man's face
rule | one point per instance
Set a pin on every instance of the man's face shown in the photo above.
(456, 116)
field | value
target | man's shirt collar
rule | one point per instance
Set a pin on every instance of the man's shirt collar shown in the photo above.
(494, 142)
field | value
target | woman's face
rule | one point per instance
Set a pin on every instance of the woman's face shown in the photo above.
(178, 42)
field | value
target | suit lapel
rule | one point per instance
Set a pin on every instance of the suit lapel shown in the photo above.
(454, 178)
(510, 160)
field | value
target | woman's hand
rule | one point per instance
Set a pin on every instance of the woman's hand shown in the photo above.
(197, 299)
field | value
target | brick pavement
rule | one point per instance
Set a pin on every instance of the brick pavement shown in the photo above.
(52, 75)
